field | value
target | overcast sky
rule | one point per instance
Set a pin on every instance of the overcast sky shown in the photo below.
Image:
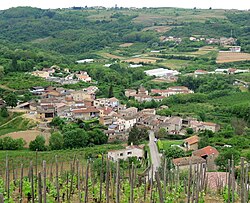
(225, 4)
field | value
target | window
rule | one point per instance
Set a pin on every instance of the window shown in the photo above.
(129, 153)
(121, 154)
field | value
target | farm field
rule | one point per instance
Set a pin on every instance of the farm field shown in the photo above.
(140, 60)
(226, 57)
(28, 135)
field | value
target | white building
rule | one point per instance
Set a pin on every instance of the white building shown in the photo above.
(130, 151)
(160, 72)
(235, 48)
(85, 61)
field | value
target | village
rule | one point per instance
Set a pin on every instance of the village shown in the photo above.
(73, 105)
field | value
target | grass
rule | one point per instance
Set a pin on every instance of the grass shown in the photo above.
(167, 143)
(22, 81)
(12, 115)
(16, 124)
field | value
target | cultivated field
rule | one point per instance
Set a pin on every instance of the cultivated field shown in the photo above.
(111, 56)
(126, 45)
(140, 60)
(226, 57)
(158, 28)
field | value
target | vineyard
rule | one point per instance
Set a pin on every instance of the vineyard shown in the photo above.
(100, 180)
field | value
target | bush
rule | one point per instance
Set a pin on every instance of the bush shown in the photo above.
(8, 143)
(38, 144)
(56, 141)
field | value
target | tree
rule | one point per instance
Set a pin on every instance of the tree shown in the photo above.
(174, 152)
(137, 135)
(190, 131)
(8, 143)
(222, 159)
(11, 100)
(57, 122)
(56, 141)
(162, 133)
(4, 112)
(38, 144)
(97, 137)
(111, 93)
(76, 138)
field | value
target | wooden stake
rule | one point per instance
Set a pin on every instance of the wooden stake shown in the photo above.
(32, 183)
(117, 181)
(57, 182)
(86, 184)
(40, 195)
(21, 185)
(44, 182)
(101, 180)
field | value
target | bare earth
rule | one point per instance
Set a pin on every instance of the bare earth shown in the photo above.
(140, 60)
(158, 28)
(112, 56)
(28, 135)
(226, 57)
(126, 45)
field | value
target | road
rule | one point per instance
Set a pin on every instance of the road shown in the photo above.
(155, 156)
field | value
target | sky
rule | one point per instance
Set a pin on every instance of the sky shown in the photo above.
(224, 4)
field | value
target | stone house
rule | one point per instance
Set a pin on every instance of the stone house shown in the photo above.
(191, 143)
(209, 154)
(130, 151)
(184, 162)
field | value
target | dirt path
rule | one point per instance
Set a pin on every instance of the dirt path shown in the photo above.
(6, 88)
(10, 121)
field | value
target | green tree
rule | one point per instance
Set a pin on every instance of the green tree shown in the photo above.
(222, 159)
(97, 137)
(190, 131)
(4, 112)
(56, 141)
(11, 100)
(162, 133)
(76, 138)
(137, 135)
(111, 93)
(174, 152)
(38, 144)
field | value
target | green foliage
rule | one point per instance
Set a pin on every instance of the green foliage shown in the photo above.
(137, 135)
(4, 112)
(225, 155)
(56, 141)
(174, 152)
(190, 131)
(8, 143)
(11, 100)
(162, 133)
(38, 144)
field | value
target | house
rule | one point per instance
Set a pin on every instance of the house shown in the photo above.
(46, 111)
(85, 61)
(41, 74)
(184, 162)
(142, 91)
(148, 111)
(107, 102)
(132, 111)
(210, 154)
(83, 76)
(191, 143)
(130, 93)
(49, 70)
(199, 126)
(85, 113)
(130, 151)
(174, 124)
(37, 90)
(80, 95)
(235, 49)
(160, 72)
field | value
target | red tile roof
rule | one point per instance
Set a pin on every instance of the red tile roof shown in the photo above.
(87, 110)
(208, 150)
(192, 140)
